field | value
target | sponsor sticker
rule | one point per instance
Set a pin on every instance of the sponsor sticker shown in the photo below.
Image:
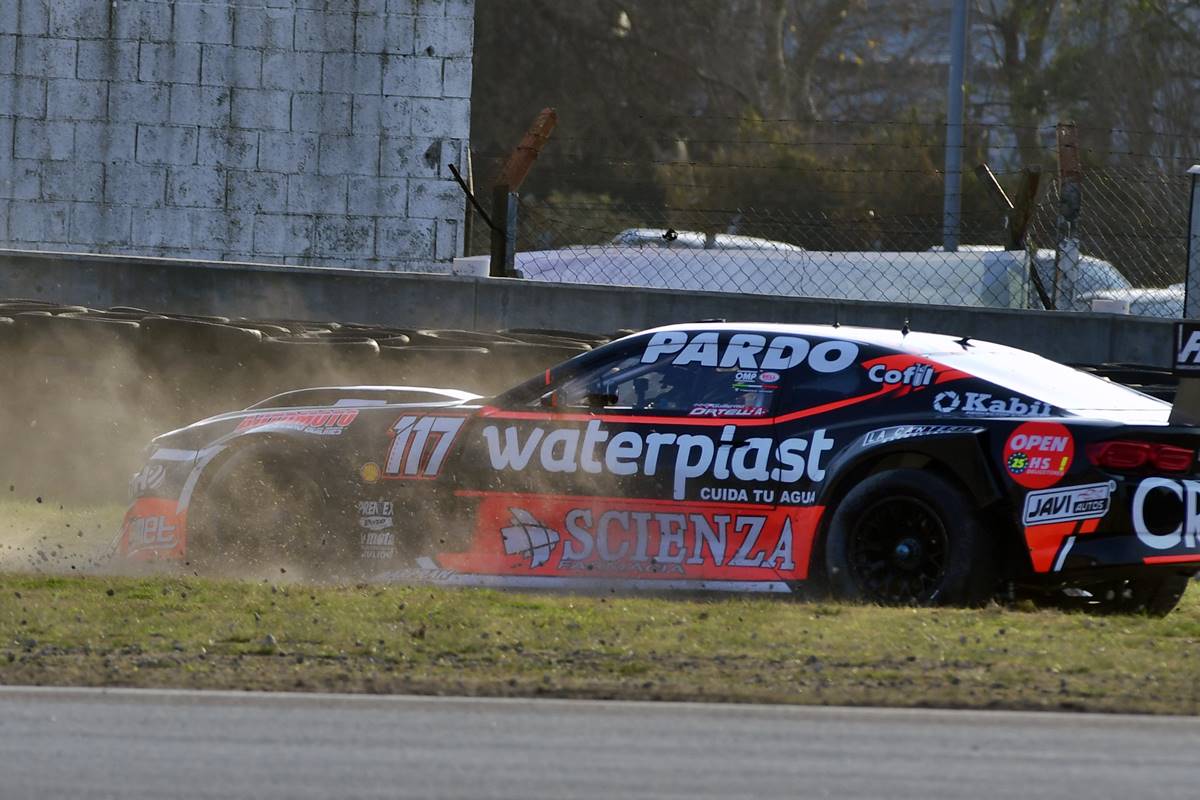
(898, 432)
(152, 529)
(321, 422)
(1070, 503)
(914, 375)
(749, 351)
(1168, 532)
(148, 479)
(982, 404)
(1187, 348)
(615, 537)
(376, 539)
(693, 455)
(1037, 454)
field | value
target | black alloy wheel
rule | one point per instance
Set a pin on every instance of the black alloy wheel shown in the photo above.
(898, 552)
(909, 537)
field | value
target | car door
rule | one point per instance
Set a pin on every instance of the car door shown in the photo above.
(656, 462)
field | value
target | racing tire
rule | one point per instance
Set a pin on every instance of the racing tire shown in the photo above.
(909, 537)
(263, 513)
(1154, 595)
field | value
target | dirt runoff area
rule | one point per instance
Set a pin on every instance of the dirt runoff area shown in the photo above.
(66, 619)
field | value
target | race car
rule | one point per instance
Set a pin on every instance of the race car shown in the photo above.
(886, 466)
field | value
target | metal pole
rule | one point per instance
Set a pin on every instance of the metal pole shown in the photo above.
(952, 206)
(1191, 301)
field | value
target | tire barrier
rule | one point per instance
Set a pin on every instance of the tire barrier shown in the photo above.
(88, 388)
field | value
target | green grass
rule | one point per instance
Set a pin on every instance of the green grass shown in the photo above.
(110, 631)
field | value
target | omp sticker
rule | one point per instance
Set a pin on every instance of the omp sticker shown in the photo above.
(1038, 454)
(753, 380)
(152, 530)
(750, 351)
(592, 450)
(616, 537)
(1089, 501)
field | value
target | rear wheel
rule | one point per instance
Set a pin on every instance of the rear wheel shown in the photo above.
(262, 514)
(908, 537)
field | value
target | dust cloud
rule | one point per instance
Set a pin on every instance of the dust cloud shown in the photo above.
(86, 391)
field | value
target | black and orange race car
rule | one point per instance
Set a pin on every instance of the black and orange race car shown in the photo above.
(889, 466)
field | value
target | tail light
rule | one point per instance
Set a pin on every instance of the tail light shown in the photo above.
(1126, 455)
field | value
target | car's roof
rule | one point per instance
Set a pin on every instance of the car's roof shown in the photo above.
(894, 338)
(1019, 370)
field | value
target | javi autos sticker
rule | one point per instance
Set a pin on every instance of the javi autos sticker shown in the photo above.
(749, 351)
(982, 404)
(1070, 503)
(1038, 454)
(617, 537)
(320, 422)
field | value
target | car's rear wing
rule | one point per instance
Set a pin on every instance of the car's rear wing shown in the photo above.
(1186, 364)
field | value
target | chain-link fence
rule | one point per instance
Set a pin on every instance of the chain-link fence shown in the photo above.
(871, 234)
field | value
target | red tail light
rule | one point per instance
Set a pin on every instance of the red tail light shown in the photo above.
(1172, 459)
(1125, 455)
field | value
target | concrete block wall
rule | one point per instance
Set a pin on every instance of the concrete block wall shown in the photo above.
(308, 132)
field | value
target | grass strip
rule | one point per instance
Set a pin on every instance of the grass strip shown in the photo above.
(173, 632)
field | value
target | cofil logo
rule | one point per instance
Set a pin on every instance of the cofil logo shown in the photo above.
(749, 351)
(912, 375)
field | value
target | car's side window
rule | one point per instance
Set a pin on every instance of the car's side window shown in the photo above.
(626, 384)
(810, 388)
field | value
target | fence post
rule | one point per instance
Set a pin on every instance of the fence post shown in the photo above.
(504, 232)
(1070, 180)
(952, 200)
(1191, 284)
(505, 197)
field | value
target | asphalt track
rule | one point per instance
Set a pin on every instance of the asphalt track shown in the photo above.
(81, 743)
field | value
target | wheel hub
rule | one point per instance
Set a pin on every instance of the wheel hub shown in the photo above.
(908, 553)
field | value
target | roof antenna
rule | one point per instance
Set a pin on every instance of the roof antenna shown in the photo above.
(904, 328)
(964, 342)
(837, 312)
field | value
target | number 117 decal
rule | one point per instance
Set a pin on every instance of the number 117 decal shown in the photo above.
(420, 445)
